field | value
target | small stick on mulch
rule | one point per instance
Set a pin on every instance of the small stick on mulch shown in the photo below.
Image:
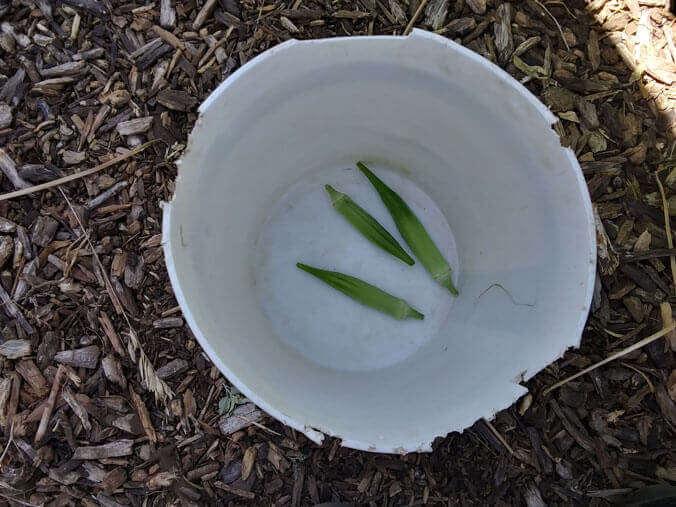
(415, 17)
(497, 434)
(650, 254)
(13, 310)
(556, 22)
(612, 357)
(8, 167)
(72, 177)
(47, 411)
(159, 387)
(667, 320)
(667, 227)
(143, 415)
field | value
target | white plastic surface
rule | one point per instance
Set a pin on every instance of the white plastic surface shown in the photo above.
(436, 121)
(316, 321)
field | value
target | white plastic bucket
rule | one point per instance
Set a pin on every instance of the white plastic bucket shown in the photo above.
(470, 150)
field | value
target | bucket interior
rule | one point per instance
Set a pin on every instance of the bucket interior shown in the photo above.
(475, 155)
(327, 327)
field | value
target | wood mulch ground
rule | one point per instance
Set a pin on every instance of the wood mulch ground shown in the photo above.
(106, 398)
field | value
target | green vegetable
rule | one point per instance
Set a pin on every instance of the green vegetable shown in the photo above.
(413, 232)
(365, 293)
(367, 225)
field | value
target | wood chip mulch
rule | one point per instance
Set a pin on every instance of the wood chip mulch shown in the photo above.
(105, 396)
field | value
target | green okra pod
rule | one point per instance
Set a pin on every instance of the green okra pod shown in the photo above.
(413, 232)
(367, 225)
(365, 293)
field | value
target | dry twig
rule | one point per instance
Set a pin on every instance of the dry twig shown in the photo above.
(149, 377)
(612, 357)
(76, 176)
(415, 17)
(565, 42)
(667, 228)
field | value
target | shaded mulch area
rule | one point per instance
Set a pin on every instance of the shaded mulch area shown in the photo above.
(105, 396)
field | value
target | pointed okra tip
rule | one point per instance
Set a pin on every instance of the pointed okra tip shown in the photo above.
(375, 181)
(333, 193)
(363, 168)
(414, 314)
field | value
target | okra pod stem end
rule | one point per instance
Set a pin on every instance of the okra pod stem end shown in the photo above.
(367, 225)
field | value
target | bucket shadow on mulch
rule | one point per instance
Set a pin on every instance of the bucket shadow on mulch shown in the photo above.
(86, 79)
